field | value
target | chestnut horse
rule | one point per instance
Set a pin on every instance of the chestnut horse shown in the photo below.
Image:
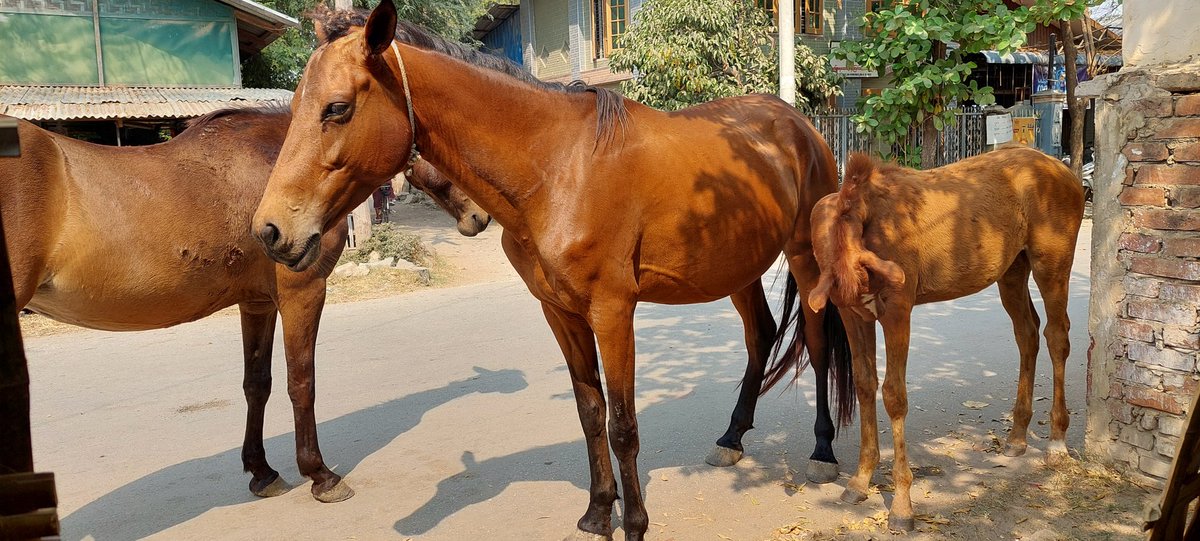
(135, 238)
(472, 220)
(604, 203)
(894, 238)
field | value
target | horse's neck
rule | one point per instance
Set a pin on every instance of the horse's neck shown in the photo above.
(497, 138)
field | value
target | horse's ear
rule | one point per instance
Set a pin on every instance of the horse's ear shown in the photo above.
(888, 271)
(381, 27)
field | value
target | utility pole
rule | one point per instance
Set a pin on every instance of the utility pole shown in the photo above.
(787, 50)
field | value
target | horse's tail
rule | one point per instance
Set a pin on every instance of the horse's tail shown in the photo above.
(837, 353)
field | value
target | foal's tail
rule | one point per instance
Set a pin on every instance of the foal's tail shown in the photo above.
(837, 353)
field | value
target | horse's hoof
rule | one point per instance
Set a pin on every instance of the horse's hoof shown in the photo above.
(278, 487)
(1056, 454)
(851, 495)
(339, 493)
(821, 472)
(580, 535)
(1015, 450)
(900, 524)
(723, 457)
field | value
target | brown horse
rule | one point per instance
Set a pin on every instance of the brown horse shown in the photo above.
(604, 203)
(472, 219)
(894, 238)
(135, 238)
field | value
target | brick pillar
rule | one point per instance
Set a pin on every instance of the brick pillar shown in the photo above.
(1144, 324)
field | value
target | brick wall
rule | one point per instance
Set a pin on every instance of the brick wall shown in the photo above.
(1146, 266)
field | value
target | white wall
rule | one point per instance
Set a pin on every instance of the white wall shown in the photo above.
(1161, 31)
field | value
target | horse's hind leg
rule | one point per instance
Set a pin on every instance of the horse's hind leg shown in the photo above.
(1014, 294)
(301, 299)
(258, 335)
(1052, 272)
(822, 464)
(751, 304)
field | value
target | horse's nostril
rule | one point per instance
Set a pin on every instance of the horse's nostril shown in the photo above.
(269, 234)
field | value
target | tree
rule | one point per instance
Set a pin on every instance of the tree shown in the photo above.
(685, 52)
(912, 40)
(1064, 12)
(280, 64)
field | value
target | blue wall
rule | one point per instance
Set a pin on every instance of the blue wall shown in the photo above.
(505, 40)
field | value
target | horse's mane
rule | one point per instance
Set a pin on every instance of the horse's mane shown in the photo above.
(610, 106)
(208, 119)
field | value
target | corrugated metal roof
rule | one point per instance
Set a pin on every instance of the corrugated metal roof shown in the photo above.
(84, 102)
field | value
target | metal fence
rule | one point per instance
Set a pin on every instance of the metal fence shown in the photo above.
(962, 138)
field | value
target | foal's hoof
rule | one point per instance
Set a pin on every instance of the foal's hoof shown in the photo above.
(851, 495)
(900, 524)
(821, 472)
(1057, 455)
(580, 535)
(723, 457)
(1015, 449)
(278, 487)
(340, 492)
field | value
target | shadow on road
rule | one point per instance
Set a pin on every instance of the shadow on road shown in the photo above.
(132, 511)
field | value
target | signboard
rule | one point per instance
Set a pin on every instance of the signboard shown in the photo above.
(999, 129)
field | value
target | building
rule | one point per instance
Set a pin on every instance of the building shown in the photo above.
(126, 71)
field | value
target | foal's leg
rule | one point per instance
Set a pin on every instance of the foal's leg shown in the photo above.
(751, 304)
(300, 305)
(861, 335)
(896, 325)
(258, 335)
(613, 323)
(822, 464)
(1014, 294)
(578, 345)
(1052, 272)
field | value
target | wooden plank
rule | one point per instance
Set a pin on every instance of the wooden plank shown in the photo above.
(1171, 520)
(16, 450)
(37, 524)
(26, 492)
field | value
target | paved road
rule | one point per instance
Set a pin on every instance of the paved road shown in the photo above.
(450, 413)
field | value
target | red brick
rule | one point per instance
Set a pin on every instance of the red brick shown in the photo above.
(1186, 197)
(1178, 128)
(1153, 399)
(1129, 170)
(1135, 330)
(1168, 175)
(1187, 152)
(1142, 287)
(1188, 105)
(1185, 247)
(1155, 197)
(1148, 355)
(1180, 293)
(1137, 242)
(1168, 219)
(1169, 268)
(1137, 373)
(1146, 152)
(1121, 411)
(1161, 312)
(1181, 337)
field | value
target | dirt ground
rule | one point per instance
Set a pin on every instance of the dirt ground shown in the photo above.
(964, 487)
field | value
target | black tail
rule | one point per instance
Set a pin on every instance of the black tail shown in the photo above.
(838, 356)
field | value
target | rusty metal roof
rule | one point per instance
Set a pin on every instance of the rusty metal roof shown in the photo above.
(100, 103)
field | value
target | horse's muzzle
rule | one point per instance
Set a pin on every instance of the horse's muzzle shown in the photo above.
(286, 252)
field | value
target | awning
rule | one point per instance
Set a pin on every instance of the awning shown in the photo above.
(1043, 59)
(100, 103)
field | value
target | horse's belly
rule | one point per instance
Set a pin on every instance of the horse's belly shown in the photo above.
(140, 307)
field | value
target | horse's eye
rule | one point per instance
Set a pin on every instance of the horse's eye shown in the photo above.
(335, 110)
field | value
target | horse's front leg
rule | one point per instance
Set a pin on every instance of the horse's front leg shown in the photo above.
(578, 345)
(613, 323)
(301, 309)
(861, 335)
(896, 325)
(759, 325)
(258, 337)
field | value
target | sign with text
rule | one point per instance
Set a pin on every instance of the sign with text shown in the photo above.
(999, 129)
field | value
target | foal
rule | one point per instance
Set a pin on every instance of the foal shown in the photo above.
(893, 238)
